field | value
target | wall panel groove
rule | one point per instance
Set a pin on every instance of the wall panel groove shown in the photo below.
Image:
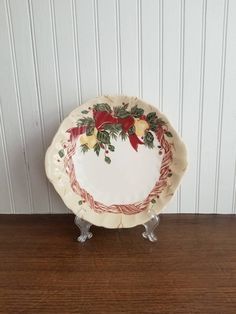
(38, 91)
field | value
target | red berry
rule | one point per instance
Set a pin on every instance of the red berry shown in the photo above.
(107, 151)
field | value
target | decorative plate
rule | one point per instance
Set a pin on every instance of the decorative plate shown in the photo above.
(115, 161)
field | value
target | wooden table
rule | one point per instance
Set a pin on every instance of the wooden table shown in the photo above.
(192, 269)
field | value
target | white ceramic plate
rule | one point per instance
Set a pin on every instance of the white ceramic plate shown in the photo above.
(115, 161)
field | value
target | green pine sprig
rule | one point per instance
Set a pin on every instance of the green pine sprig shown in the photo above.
(113, 130)
(86, 121)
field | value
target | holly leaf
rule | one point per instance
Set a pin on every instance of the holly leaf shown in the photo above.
(107, 159)
(97, 148)
(154, 121)
(148, 139)
(84, 111)
(102, 107)
(61, 153)
(104, 137)
(131, 130)
(168, 133)
(80, 202)
(111, 148)
(153, 127)
(123, 114)
(151, 116)
(136, 112)
(153, 201)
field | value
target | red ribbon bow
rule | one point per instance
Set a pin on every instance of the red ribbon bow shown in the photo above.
(102, 118)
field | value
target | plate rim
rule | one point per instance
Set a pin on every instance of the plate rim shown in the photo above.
(57, 175)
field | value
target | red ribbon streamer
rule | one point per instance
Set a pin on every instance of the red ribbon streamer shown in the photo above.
(75, 132)
(134, 140)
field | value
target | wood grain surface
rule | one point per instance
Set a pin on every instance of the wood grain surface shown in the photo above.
(191, 269)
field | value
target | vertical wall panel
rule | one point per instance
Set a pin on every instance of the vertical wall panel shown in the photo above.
(6, 196)
(86, 38)
(66, 50)
(42, 35)
(227, 174)
(192, 68)
(171, 66)
(66, 58)
(177, 54)
(214, 32)
(30, 104)
(12, 126)
(129, 47)
(150, 51)
(107, 45)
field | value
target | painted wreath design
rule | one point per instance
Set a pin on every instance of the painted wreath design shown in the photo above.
(105, 124)
(96, 133)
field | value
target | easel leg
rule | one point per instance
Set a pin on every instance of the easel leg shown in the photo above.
(84, 227)
(150, 227)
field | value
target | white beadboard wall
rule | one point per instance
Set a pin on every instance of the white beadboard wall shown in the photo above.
(177, 54)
